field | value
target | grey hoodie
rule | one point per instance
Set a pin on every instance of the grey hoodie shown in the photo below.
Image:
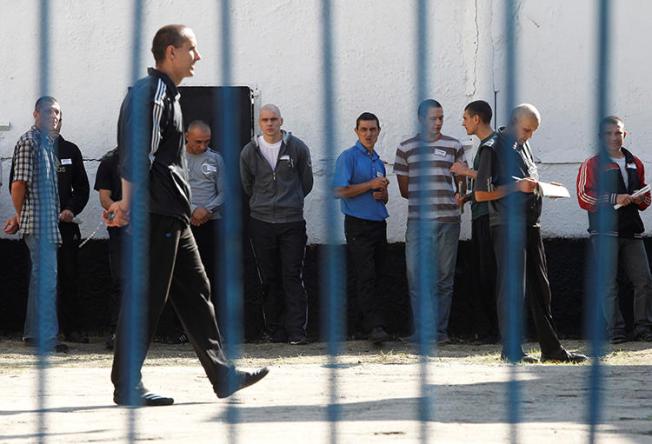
(276, 196)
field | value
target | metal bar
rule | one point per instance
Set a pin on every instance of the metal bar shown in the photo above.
(604, 254)
(334, 268)
(426, 321)
(231, 245)
(135, 268)
(514, 239)
(45, 251)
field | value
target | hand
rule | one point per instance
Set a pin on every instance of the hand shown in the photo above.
(624, 199)
(378, 183)
(11, 225)
(200, 216)
(381, 195)
(459, 169)
(66, 216)
(459, 200)
(638, 200)
(117, 215)
(527, 185)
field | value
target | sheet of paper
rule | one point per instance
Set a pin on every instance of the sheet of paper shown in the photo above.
(640, 192)
(553, 190)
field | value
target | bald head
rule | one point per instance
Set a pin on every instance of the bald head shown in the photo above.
(198, 137)
(270, 123)
(524, 122)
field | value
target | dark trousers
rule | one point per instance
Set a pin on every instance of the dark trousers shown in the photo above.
(530, 273)
(366, 243)
(115, 265)
(206, 236)
(483, 303)
(69, 306)
(280, 250)
(173, 261)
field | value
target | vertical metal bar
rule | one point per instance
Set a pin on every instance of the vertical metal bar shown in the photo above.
(231, 251)
(135, 268)
(604, 255)
(331, 277)
(45, 251)
(514, 239)
(427, 304)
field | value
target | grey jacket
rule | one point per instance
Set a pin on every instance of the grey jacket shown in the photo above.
(276, 196)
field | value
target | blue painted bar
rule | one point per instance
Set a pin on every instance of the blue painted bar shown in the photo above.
(604, 257)
(427, 317)
(231, 245)
(514, 265)
(334, 262)
(135, 264)
(46, 252)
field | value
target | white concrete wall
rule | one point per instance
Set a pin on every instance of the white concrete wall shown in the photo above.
(277, 51)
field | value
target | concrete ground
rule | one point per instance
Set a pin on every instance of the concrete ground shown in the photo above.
(377, 393)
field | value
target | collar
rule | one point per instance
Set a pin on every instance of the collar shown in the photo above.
(439, 136)
(489, 137)
(361, 147)
(172, 89)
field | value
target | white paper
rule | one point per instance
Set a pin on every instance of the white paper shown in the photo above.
(640, 192)
(553, 190)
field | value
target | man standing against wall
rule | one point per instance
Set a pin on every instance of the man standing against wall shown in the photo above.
(109, 186)
(276, 174)
(477, 122)
(623, 176)
(206, 176)
(439, 211)
(361, 184)
(73, 197)
(507, 171)
(173, 256)
(35, 198)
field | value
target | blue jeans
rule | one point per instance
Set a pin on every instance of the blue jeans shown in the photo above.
(45, 275)
(630, 253)
(439, 254)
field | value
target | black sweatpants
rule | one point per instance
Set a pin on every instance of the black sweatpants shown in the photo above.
(280, 250)
(483, 303)
(115, 265)
(174, 260)
(366, 242)
(206, 236)
(531, 278)
(70, 305)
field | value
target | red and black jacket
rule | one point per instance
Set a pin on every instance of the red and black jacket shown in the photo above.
(629, 223)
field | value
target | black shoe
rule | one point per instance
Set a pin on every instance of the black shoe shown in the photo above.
(523, 359)
(485, 340)
(61, 348)
(109, 342)
(644, 335)
(76, 336)
(564, 356)
(57, 347)
(618, 339)
(299, 340)
(244, 379)
(378, 335)
(144, 398)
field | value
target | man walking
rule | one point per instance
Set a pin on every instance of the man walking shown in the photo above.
(361, 185)
(507, 170)
(276, 174)
(173, 255)
(437, 210)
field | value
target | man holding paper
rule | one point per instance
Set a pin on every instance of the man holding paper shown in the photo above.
(507, 172)
(623, 197)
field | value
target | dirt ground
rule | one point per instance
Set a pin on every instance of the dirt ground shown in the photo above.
(377, 391)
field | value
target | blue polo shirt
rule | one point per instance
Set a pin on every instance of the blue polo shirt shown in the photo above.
(356, 165)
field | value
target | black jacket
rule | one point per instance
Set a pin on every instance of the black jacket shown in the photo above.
(72, 178)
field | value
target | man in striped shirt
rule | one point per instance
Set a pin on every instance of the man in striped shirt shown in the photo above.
(422, 168)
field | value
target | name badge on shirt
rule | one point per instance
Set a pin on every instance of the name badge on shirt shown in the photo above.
(210, 168)
(66, 161)
(439, 152)
(287, 158)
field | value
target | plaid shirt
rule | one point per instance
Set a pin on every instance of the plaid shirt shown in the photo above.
(35, 163)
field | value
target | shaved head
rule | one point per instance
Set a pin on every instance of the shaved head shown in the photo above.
(526, 111)
(199, 125)
(271, 108)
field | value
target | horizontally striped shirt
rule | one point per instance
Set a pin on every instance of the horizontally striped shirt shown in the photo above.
(438, 156)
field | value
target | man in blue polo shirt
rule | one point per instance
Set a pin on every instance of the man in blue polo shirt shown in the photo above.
(361, 185)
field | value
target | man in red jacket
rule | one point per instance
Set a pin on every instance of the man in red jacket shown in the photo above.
(624, 175)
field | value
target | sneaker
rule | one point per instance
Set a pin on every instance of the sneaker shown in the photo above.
(299, 340)
(144, 398)
(524, 359)
(244, 379)
(378, 335)
(564, 356)
(644, 335)
(618, 339)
